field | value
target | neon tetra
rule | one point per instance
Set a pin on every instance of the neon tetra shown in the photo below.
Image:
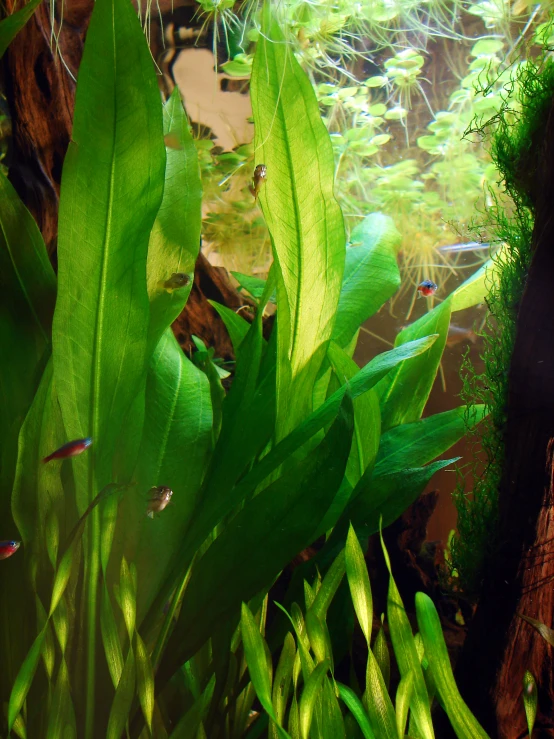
(71, 449)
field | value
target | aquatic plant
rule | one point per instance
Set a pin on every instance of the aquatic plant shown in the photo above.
(115, 612)
(515, 147)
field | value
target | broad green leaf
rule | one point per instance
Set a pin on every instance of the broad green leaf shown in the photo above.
(371, 275)
(388, 495)
(406, 655)
(173, 452)
(237, 327)
(403, 698)
(260, 540)
(175, 239)
(367, 417)
(355, 706)
(309, 697)
(254, 285)
(403, 394)
(358, 582)
(112, 186)
(476, 288)
(302, 215)
(530, 700)
(10, 26)
(123, 699)
(416, 444)
(27, 296)
(377, 701)
(463, 721)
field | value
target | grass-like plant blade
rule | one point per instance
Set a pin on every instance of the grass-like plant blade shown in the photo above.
(256, 659)
(189, 723)
(404, 392)
(318, 635)
(123, 699)
(371, 274)
(377, 701)
(278, 522)
(463, 721)
(382, 655)
(530, 700)
(546, 633)
(303, 217)
(145, 680)
(403, 698)
(356, 708)
(24, 678)
(282, 683)
(406, 654)
(358, 582)
(329, 586)
(110, 638)
(309, 697)
(10, 26)
(175, 239)
(416, 444)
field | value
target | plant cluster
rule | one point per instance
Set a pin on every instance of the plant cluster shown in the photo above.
(518, 132)
(398, 84)
(109, 616)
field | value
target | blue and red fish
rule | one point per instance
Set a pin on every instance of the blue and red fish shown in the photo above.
(7, 548)
(427, 288)
(71, 449)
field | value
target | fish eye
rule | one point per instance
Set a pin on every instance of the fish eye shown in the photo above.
(13, 543)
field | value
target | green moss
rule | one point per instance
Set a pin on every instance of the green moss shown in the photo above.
(516, 134)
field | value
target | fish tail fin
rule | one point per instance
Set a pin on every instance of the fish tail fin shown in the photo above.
(150, 514)
(47, 459)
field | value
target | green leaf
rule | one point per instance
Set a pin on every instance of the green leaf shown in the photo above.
(254, 285)
(145, 680)
(282, 682)
(27, 296)
(25, 678)
(403, 698)
(416, 444)
(310, 695)
(62, 721)
(175, 239)
(260, 540)
(406, 654)
(546, 633)
(329, 586)
(463, 721)
(302, 215)
(371, 274)
(112, 186)
(382, 656)
(237, 327)
(530, 700)
(358, 582)
(476, 288)
(255, 654)
(376, 698)
(10, 26)
(403, 394)
(174, 451)
(123, 699)
(355, 706)
(110, 638)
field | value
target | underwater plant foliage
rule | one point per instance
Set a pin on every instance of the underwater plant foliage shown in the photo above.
(515, 134)
(113, 621)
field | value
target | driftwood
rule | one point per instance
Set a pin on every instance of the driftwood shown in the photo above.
(499, 647)
(40, 91)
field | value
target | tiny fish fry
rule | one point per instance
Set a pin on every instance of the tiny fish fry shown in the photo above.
(160, 498)
(71, 449)
(260, 176)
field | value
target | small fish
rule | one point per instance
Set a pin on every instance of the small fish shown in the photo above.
(260, 176)
(160, 498)
(470, 246)
(71, 449)
(427, 288)
(7, 548)
(457, 334)
(177, 280)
